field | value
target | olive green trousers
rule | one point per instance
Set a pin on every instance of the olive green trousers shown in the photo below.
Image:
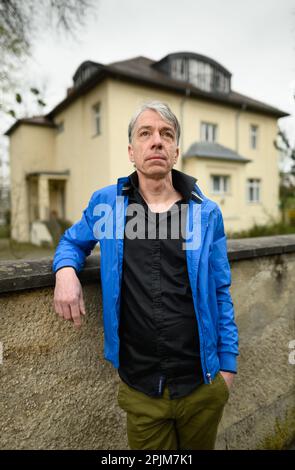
(160, 423)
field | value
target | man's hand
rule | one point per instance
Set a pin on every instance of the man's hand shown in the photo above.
(68, 296)
(228, 377)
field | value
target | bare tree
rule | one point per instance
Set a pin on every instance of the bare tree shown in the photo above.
(20, 21)
(287, 151)
(20, 24)
(287, 178)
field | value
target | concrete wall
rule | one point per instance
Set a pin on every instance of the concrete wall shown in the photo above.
(57, 392)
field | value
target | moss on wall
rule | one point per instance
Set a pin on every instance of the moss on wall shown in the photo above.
(283, 434)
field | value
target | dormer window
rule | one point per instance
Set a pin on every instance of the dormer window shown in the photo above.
(179, 69)
(202, 72)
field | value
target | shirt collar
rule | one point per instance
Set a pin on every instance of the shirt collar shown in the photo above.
(181, 182)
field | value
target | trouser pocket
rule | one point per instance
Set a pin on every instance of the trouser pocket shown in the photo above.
(224, 385)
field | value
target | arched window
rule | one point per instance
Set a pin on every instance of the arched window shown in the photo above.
(200, 71)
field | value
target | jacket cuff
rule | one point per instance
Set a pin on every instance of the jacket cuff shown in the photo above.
(65, 263)
(230, 371)
(228, 361)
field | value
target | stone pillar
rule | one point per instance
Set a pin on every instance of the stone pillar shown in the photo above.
(43, 197)
(19, 211)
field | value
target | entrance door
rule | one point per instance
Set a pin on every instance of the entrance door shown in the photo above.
(57, 198)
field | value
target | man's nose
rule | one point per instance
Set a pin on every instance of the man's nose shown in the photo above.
(156, 140)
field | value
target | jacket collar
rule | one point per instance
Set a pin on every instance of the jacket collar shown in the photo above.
(184, 183)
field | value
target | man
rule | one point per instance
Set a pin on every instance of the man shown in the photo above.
(168, 315)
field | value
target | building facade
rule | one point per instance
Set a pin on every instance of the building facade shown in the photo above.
(59, 160)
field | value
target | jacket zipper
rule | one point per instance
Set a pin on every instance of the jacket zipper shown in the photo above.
(160, 386)
(208, 374)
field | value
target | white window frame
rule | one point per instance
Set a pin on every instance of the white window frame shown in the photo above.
(224, 184)
(208, 132)
(254, 186)
(96, 116)
(254, 136)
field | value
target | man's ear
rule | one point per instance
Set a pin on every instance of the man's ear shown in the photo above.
(176, 155)
(130, 153)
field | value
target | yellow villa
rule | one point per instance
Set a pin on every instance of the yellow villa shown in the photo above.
(60, 159)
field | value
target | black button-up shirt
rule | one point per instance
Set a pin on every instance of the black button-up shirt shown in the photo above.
(159, 341)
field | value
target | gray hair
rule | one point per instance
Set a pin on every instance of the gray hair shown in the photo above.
(160, 108)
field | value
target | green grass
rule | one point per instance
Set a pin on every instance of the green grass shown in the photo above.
(4, 231)
(11, 250)
(264, 231)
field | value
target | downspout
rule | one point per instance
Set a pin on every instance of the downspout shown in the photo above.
(182, 102)
(243, 107)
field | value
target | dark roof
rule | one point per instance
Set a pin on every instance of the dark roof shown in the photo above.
(141, 70)
(86, 65)
(214, 150)
(35, 121)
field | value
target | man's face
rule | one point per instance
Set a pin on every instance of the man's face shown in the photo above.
(153, 148)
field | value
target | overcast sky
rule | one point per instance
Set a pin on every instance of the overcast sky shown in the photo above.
(253, 39)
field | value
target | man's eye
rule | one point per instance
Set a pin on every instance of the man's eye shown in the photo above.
(168, 134)
(144, 133)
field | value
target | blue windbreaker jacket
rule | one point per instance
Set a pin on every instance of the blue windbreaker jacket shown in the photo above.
(103, 221)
